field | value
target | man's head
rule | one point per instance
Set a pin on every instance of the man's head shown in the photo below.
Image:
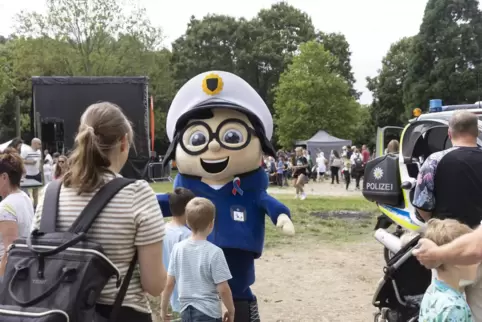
(442, 232)
(463, 126)
(36, 144)
(178, 201)
(299, 151)
(364, 147)
(200, 213)
(393, 147)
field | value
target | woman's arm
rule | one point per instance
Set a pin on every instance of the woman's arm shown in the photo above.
(149, 225)
(9, 232)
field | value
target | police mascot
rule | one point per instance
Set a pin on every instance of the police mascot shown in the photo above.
(219, 128)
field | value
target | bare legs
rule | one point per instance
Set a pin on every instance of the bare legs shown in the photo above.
(299, 184)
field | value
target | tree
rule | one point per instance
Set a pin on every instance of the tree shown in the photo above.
(91, 37)
(257, 50)
(210, 43)
(310, 97)
(94, 33)
(283, 29)
(388, 107)
(339, 47)
(446, 55)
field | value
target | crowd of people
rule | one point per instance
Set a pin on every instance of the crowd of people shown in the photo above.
(299, 167)
(190, 272)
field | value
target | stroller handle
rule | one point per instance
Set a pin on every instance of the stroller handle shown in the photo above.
(403, 255)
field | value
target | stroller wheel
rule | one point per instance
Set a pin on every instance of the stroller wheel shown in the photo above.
(377, 317)
(387, 254)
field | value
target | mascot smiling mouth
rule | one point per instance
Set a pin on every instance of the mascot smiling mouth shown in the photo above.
(215, 166)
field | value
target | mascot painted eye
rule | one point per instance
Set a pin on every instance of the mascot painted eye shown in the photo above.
(197, 139)
(233, 136)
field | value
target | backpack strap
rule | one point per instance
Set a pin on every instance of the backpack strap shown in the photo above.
(50, 208)
(116, 307)
(97, 204)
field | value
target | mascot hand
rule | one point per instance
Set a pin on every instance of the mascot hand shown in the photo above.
(286, 225)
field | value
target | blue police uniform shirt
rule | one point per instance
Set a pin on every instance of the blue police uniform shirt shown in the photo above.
(240, 221)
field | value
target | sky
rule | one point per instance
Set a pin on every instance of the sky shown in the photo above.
(370, 26)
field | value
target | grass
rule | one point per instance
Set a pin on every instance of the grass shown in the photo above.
(308, 226)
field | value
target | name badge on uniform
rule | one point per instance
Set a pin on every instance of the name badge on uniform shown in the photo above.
(238, 213)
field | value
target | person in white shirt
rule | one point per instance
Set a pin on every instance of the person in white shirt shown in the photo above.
(321, 162)
(47, 157)
(16, 208)
(32, 159)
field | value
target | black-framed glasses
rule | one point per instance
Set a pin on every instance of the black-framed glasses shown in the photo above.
(231, 134)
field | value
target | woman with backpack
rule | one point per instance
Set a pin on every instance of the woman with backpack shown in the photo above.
(357, 167)
(130, 223)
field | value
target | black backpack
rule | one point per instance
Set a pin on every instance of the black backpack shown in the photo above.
(358, 164)
(58, 276)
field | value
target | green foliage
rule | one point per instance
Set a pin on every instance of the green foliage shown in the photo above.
(90, 38)
(338, 46)
(311, 97)
(446, 55)
(256, 50)
(388, 107)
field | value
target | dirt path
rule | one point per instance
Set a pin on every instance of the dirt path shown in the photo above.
(320, 189)
(318, 282)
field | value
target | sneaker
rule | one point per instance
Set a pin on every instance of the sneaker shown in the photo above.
(303, 196)
(297, 196)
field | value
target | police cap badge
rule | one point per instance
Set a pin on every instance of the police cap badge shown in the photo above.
(212, 84)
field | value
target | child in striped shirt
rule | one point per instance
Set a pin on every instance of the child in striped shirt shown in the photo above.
(199, 270)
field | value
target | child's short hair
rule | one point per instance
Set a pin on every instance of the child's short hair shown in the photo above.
(178, 201)
(200, 213)
(442, 232)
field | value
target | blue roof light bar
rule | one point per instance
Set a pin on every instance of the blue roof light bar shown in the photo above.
(436, 106)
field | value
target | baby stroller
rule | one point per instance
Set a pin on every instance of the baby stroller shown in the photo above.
(400, 291)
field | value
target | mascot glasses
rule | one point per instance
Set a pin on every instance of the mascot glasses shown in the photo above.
(231, 134)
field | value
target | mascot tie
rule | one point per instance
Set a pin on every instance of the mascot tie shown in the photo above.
(237, 186)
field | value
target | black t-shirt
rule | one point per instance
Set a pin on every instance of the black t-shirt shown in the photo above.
(300, 161)
(458, 186)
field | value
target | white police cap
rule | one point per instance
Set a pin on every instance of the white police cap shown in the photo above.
(218, 89)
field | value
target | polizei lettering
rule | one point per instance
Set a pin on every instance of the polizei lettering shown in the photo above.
(379, 186)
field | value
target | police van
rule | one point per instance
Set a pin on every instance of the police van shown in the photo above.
(390, 182)
(390, 178)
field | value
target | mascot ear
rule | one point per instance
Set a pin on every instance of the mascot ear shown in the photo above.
(171, 151)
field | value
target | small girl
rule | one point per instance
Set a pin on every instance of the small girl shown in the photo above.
(346, 171)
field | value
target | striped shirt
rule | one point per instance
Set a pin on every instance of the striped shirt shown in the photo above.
(28, 154)
(132, 218)
(198, 267)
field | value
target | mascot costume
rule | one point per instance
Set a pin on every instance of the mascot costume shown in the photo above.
(219, 128)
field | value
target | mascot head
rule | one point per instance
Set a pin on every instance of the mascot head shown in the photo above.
(218, 127)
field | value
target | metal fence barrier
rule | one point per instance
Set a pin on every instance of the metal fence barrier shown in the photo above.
(156, 172)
